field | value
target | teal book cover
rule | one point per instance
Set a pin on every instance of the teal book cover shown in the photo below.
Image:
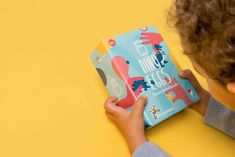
(140, 63)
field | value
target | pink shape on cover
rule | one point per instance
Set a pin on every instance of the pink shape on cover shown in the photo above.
(179, 92)
(153, 39)
(121, 68)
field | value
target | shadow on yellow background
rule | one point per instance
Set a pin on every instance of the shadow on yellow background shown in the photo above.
(51, 96)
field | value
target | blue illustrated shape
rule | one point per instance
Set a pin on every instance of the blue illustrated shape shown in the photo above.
(160, 57)
(138, 83)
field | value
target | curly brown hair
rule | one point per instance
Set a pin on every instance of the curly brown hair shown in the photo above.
(208, 28)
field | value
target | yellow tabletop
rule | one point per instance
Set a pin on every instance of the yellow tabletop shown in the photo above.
(51, 98)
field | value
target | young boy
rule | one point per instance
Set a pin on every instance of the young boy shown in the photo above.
(207, 32)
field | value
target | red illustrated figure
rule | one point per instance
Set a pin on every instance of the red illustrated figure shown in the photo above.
(134, 85)
(153, 39)
(178, 91)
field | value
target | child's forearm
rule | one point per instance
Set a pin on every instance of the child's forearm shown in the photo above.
(199, 108)
(134, 141)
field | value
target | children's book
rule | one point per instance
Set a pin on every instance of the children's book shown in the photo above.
(140, 63)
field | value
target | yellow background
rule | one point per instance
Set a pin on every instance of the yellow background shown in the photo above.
(51, 96)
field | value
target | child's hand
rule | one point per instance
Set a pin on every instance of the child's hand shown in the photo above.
(203, 94)
(130, 123)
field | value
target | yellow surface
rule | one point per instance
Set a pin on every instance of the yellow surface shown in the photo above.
(50, 95)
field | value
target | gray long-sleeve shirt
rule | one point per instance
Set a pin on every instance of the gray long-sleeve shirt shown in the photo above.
(217, 116)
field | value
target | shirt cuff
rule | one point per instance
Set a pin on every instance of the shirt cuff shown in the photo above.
(148, 149)
(220, 117)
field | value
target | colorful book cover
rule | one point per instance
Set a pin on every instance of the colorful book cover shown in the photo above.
(140, 63)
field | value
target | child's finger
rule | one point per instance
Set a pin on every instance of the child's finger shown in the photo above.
(187, 74)
(111, 99)
(110, 116)
(109, 104)
(139, 105)
(110, 108)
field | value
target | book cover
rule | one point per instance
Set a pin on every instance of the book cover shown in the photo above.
(140, 63)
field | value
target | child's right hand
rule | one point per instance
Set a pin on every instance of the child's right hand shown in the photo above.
(130, 123)
(203, 94)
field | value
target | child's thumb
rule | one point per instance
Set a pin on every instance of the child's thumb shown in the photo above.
(139, 105)
(187, 74)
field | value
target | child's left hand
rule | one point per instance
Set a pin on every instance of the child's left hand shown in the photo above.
(130, 123)
(200, 106)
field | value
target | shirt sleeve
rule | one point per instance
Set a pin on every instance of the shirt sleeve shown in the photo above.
(148, 149)
(220, 117)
